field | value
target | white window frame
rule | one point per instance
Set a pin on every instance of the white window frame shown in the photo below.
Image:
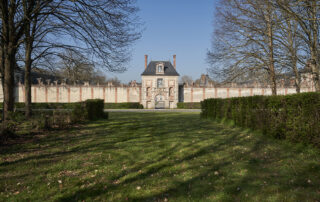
(162, 83)
(161, 68)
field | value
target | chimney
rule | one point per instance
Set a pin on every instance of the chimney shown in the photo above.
(174, 61)
(145, 61)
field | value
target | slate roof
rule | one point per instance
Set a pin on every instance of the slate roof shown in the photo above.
(169, 70)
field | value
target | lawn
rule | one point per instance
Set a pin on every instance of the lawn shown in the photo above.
(158, 157)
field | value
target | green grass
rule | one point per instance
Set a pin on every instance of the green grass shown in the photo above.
(158, 157)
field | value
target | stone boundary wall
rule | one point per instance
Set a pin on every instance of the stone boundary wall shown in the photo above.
(78, 93)
(121, 94)
(197, 94)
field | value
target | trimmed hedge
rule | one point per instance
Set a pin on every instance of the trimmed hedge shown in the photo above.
(126, 105)
(45, 105)
(189, 105)
(132, 105)
(293, 117)
(94, 109)
(56, 118)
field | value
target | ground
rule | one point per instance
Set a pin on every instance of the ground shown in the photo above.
(158, 157)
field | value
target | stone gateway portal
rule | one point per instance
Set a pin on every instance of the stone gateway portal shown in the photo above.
(160, 87)
(159, 102)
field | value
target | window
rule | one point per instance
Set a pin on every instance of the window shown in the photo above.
(160, 83)
(171, 92)
(160, 69)
(148, 92)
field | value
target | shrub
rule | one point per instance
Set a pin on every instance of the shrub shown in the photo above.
(12, 123)
(126, 105)
(43, 121)
(58, 118)
(53, 119)
(292, 117)
(61, 118)
(20, 105)
(94, 109)
(78, 113)
(189, 105)
(105, 115)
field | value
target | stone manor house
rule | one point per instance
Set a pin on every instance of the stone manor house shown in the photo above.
(160, 88)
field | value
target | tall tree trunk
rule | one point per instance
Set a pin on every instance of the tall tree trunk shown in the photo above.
(2, 71)
(27, 76)
(27, 84)
(273, 80)
(315, 74)
(8, 87)
(293, 49)
(297, 76)
(10, 49)
(315, 66)
(272, 72)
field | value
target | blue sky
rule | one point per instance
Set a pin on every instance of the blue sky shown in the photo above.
(181, 27)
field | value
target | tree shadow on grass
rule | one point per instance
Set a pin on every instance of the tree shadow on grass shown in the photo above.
(176, 157)
(261, 178)
(157, 166)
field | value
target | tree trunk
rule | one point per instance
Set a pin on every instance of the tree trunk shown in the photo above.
(314, 47)
(2, 70)
(8, 87)
(297, 80)
(272, 72)
(9, 41)
(315, 73)
(292, 47)
(273, 81)
(27, 87)
(27, 76)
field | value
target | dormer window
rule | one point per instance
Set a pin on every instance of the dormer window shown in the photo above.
(160, 69)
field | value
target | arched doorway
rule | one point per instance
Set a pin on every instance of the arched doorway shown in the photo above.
(159, 102)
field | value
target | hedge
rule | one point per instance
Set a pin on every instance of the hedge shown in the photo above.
(94, 109)
(189, 105)
(126, 105)
(45, 105)
(132, 105)
(293, 117)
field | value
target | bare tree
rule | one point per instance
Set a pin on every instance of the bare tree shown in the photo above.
(101, 29)
(35, 31)
(186, 79)
(305, 13)
(244, 41)
(13, 24)
(291, 46)
(115, 81)
(75, 67)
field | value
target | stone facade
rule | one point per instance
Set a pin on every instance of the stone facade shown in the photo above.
(160, 87)
(153, 95)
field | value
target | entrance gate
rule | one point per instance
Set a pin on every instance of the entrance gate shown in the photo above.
(159, 102)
